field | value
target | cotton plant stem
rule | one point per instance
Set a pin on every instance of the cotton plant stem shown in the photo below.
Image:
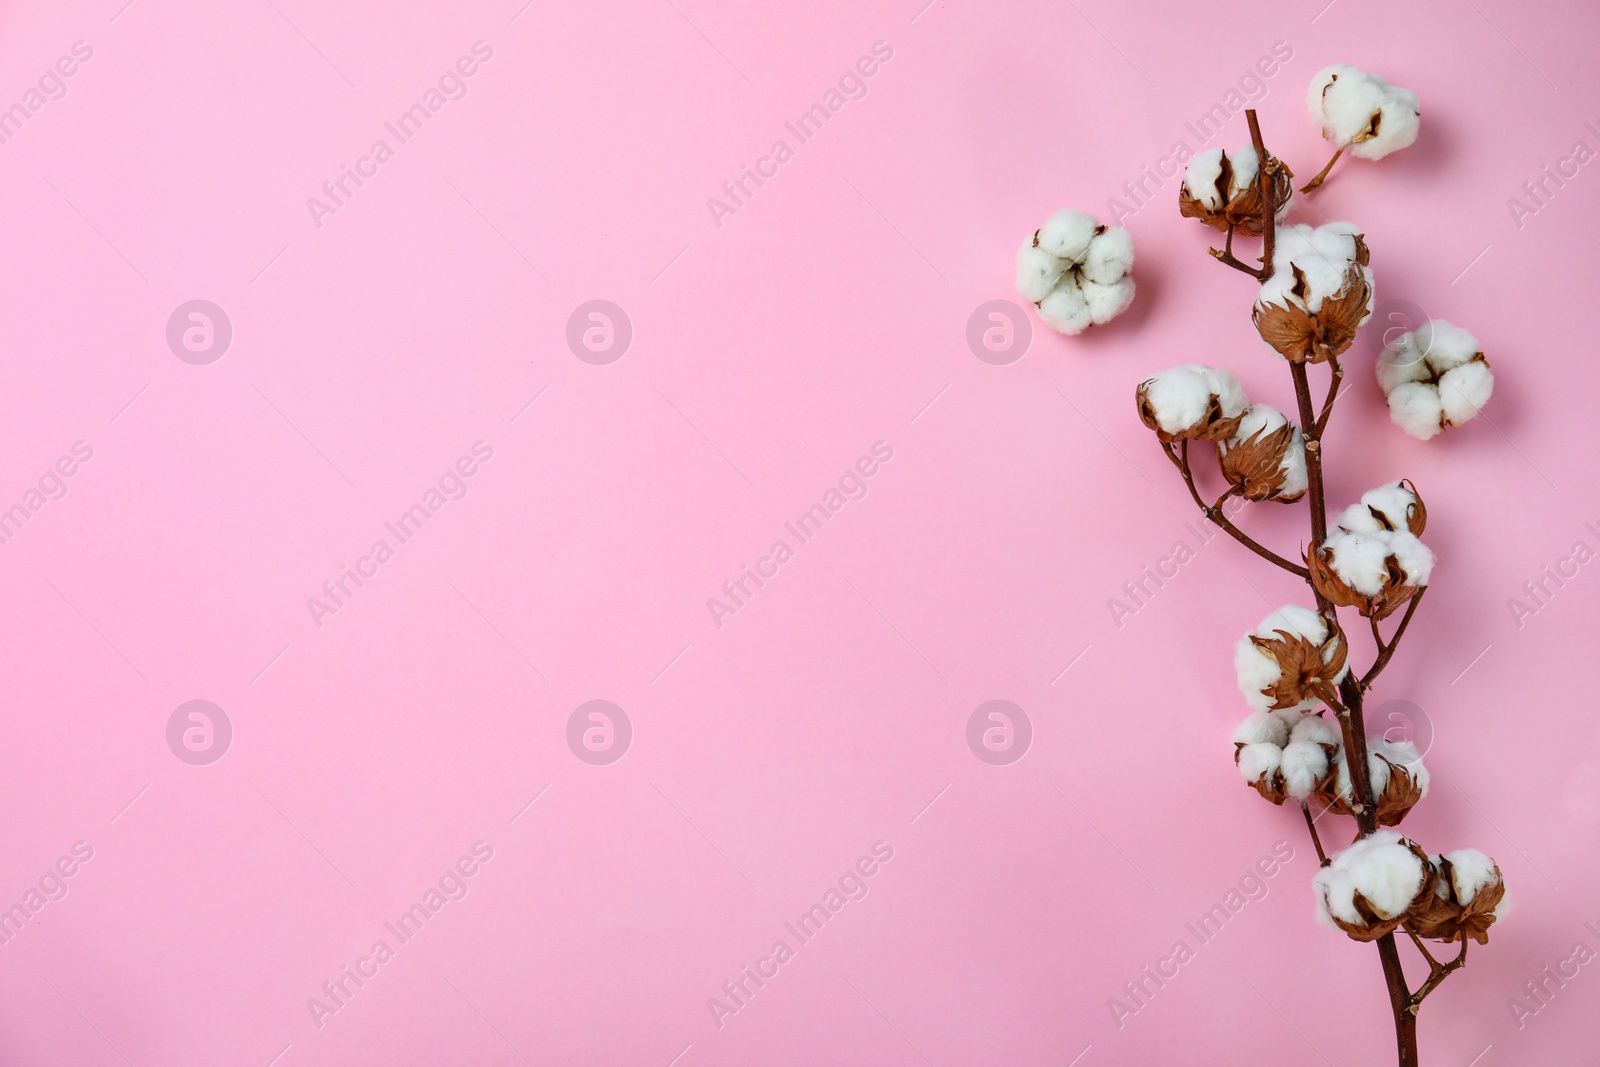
(1322, 174)
(1335, 378)
(1440, 973)
(1311, 825)
(1214, 513)
(1386, 651)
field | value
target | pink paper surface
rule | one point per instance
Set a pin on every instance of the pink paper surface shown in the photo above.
(418, 327)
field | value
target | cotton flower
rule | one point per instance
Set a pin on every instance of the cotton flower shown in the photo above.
(1266, 456)
(1286, 660)
(1397, 776)
(1076, 271)
(1192, 402)
(1361, 113)
(1469, 897)
(1223, 190)
(1435, 377)
(1319, 294)
(1395, 506)
(1372, 572)
(1285, 754)
(1368, 888)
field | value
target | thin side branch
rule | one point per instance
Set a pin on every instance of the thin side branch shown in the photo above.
(1440, 973)
(1214, 513)
(1322, 174)
(1311, 824)
(1337, 377)
(1386, 651)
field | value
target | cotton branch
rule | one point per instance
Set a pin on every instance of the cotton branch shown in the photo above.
(1214, 513)
(1440, 971)
(1386, 651)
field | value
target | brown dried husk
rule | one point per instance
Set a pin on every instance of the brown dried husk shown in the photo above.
(1302, 337)
(1399, 795)
(1377, 926)
(1303, 671)
(1240, 211)
(1255, 465)
(1445, 918)
(1416, 514)
(1214, 426)
(1395, 592)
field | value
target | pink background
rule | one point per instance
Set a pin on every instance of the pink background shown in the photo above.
(768, 354)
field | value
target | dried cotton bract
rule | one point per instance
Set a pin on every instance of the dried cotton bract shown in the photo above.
(1361, 113)
(1266, 457)
(1435, 377)
(1076, 271)
(1223, 190)
(1319, 293)
(1469, 895)
(1287, 660)
(1369, 887)
(1399, 780)
(1192, 402)
(1374, 573)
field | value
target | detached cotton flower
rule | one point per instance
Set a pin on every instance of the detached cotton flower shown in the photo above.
(1469, 897)
(1193, 402)
(1266, 456)
(1435, 377)
(1361, 114)
(1374, 573)
(1319, 294)
(1076, 271)
(1367, 889)
(1223, 190)
(1286, 660)
(1395, 506)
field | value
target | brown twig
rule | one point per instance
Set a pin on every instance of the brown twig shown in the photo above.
(1336, 376)
(1386, 651)
(1266, 172)
(1322, 174)
(1214, 513)
(1440, 973)
(1311, 824)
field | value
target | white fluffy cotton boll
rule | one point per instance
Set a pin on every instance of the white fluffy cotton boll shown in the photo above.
(1414, 557)
(1399, 122)
(1359, 559)
(1381, 868)
(1068, 233)
(1106, 302)
(1110, 257)
(1290, 717)
(1316, 730)
(1037, 272)
(1464, 391)
(1324, 255)
(1348, 103)
(1303, 764)
(1181, 396)
(1259, 760)
(1265, 419)
(1394, 501)
(1065, 309)
(1472, 871)
(1401, 361)
(1261, 727)
(1444, 345)
(1257, 671)
(1200, 178)
(1417, 409)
